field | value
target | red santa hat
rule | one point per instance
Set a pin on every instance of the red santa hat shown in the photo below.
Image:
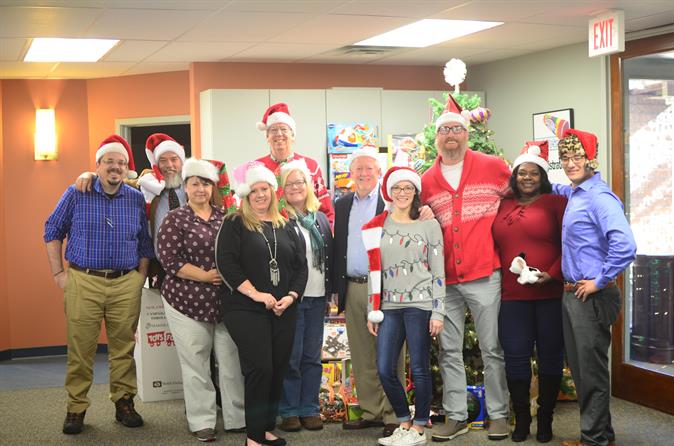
(371, 233)
(117, 144)
(275, 114)
(534, 152)
(453, 113)
(583, 143)
(395, 175)
(250, 173)
(159, 143)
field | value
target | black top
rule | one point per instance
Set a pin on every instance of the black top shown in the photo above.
(342, 215)
(241, 254)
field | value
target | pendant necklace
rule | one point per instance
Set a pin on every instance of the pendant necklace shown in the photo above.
(274, 273)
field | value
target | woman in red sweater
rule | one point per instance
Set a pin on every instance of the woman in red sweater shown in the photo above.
(529, 225)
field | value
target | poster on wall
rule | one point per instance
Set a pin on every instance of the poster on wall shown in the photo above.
(550, 126)
(345, 138)
(405, 151)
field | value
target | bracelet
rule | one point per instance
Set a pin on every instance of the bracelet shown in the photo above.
(294, 295)
(58, 273)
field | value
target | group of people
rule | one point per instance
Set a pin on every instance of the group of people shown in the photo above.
(403, 257)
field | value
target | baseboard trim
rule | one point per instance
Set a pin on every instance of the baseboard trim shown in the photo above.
(56, 350)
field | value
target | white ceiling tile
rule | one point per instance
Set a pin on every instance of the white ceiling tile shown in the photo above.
(12, 49)
(208, 5)
(45, 22)
(25, 70)
(420, 8)
(204, 52)
(89, 70)
(431, 56)
(268, 51)
(133, 50)
(340, 29)
(520, 34)
(144, 24)
(285, 6)
(243, 26)
(154, 67)
(652, 21)
(493, 55)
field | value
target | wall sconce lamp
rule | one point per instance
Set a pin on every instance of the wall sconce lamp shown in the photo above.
(45, 134)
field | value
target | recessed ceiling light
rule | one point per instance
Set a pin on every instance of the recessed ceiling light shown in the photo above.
(68, 50)
(428, 32)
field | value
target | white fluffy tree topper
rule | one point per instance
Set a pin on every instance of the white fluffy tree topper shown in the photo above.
(455, 73)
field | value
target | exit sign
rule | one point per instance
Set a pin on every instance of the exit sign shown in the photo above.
(606, 34)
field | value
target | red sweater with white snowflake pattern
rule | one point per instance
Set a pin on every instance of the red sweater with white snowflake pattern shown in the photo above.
(320, 189)
(467, 213)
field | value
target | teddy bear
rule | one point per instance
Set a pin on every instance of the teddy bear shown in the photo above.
(526, 273)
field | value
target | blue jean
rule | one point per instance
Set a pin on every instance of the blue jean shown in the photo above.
(411, 324)
(303, 378)
(523, 323)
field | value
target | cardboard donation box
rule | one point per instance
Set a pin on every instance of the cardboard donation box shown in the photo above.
(157, 366)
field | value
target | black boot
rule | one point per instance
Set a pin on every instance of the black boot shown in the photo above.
(519, 392)
(548, 389)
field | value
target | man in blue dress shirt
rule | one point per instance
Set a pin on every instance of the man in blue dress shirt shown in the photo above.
(108, 252)
(597, 245)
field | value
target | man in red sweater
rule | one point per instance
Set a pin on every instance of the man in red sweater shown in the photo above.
(464, 189)
(280, 129)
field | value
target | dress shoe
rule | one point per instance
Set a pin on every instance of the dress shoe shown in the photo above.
(74, 423)
(277, 442)
(126, 414)
(312, 423)
(290, 424)
(389, 428)
(362, 424)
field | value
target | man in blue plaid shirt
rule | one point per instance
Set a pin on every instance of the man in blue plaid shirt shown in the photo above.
(108, 252)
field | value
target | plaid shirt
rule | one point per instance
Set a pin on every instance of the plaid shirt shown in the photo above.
(103, 232)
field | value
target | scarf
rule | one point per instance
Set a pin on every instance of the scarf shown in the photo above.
(308, 222)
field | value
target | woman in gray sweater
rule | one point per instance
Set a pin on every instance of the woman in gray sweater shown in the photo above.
(407, 288)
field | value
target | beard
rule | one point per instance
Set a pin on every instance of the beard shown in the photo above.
(174, 181)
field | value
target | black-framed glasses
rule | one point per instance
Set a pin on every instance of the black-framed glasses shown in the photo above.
(445, 129)
(400, 189)
(296, 184)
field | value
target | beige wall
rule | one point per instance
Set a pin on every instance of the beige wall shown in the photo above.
(560, 78)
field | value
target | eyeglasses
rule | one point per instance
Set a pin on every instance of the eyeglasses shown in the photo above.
(567, 159)
(111, 162)
(445, 129)
(281, 130)
(296, 184)
(406, 189)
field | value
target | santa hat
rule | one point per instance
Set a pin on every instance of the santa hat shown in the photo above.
(297, 164)
(250, 173)
(395, 175)
(371, 233)
(277, 113)
(117, 144)
(200, 168)
(580, 142)
(364, 150)
(534, 152)
(453, 113)
(159, 143)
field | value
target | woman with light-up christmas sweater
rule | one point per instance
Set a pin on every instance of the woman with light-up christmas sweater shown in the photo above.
(407, 288)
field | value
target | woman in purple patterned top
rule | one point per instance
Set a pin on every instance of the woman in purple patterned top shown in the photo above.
(192, 293)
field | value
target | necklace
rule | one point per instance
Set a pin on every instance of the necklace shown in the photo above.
(274, 273)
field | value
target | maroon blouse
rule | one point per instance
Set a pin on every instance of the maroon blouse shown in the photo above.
(186, 238)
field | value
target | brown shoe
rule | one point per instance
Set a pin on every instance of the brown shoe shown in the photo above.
(361, 424)
(126, 414)
(74, 423)
(389, 428)
(313, 423)
(290, 424)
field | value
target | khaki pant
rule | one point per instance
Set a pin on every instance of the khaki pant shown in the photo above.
(363, 346)
(88, 301)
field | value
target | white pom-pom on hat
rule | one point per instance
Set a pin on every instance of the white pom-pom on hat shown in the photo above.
(375, 316)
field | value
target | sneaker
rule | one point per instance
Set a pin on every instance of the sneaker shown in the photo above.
(206, 435)
(449, 431)
(312, 423)
(390, 440)
(498, 429)
(126, 414)
(74, 423)
(290, 424)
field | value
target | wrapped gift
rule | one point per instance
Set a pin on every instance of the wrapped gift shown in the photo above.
(335, 343)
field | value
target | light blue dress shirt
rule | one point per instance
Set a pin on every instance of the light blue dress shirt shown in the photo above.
(362, 210)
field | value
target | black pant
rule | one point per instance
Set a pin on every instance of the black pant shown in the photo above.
(265, 342)
(523, 323)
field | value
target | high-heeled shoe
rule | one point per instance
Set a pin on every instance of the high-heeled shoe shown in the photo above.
(277, 442)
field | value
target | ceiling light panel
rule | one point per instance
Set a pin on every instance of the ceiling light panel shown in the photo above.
(68, 50)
